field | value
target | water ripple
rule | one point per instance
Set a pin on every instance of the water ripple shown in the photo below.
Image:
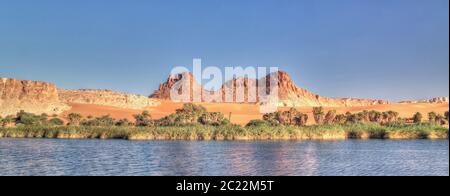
(119, 157)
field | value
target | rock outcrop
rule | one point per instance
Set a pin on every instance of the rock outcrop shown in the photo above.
(182, 79)
(432, 100)
(30, 96)
(106, 97)
(292, 96)
(288, 93)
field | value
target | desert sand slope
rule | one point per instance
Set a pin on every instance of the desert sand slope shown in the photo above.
(243, 113)
(100, 110)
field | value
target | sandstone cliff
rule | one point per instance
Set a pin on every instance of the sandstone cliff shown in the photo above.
(289, 94)
(31, 96)
(105, 97)
(432, 100)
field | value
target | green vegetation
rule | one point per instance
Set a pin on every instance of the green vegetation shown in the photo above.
(74, 119)
(56, 122)
(193, 122)
(255, 131)
(102, 121)
(143, 120)
(191, 114)
(439, 119)
(291, 117)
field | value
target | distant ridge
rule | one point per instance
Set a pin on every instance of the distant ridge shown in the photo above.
(432, 100)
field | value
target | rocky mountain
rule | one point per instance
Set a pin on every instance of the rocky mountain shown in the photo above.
(432, 100)
(184, 79)
(105, 97)
(31, 96)
(289, 94)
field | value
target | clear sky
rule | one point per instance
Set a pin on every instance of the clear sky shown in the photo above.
(387, 49)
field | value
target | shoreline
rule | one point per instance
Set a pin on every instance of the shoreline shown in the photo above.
(232, 133)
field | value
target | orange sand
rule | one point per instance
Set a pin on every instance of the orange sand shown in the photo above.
(243, 113)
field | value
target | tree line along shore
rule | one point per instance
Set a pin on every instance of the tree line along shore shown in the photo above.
(194, 122)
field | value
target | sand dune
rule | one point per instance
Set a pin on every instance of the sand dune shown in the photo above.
(242, 113)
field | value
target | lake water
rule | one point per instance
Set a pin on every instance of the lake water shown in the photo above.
(121, 157)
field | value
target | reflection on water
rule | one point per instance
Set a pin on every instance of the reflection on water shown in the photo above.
(119, 157)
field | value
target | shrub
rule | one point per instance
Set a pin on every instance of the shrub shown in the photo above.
(8, 121)
(143, 120)
(56, 122)
(167, 121)
(103, 121)
(24, 118)
(123, 123)
(257, 123)
(212, 118)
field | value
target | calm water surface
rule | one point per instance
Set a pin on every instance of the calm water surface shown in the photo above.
(120, 157)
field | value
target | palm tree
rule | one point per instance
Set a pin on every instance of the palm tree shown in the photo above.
(284, 118)
(330, 116)
(393, 116)
(375, 116)
(292, 113)
(144, 119)
(365, 116)
(212, 118)
(384, 117)
(318, 114)
(272, 118)
(432, 117)
(340, 119)
(192, 111)
(74, 118)
(417, 118)
(301, 119)
(440, 119)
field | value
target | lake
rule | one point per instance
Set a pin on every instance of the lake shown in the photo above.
(305, 158)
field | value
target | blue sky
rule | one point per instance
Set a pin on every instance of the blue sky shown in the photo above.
(387, 49)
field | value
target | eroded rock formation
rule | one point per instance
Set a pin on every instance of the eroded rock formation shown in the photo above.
(105, 97)
(289, 94)
(31, 96)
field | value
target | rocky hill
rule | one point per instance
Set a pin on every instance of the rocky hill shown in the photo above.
(105, 97)
(42, 97)
(31, 96)
(289, 94)
(432, 100)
